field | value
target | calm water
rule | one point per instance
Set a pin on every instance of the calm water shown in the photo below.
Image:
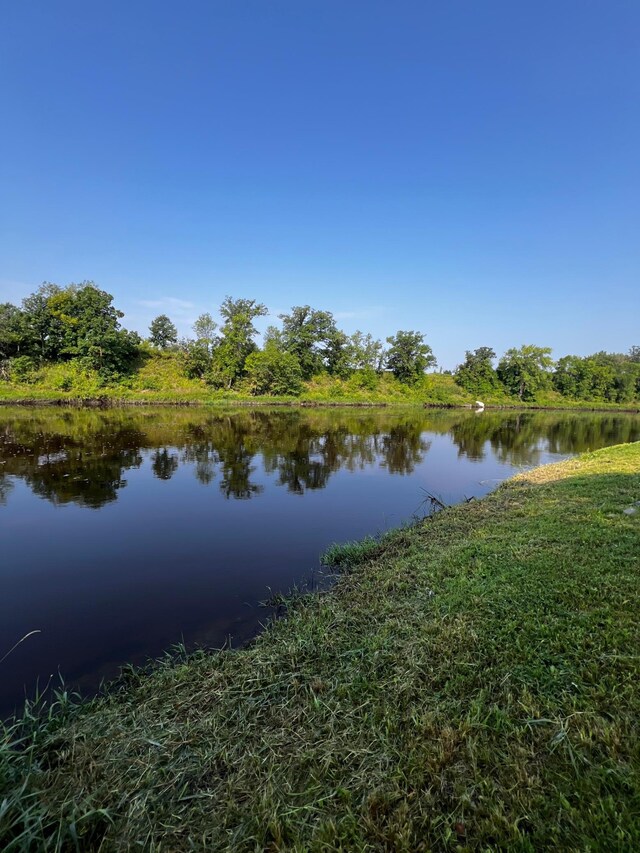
(125, 531)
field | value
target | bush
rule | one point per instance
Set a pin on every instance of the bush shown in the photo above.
(22, 369)
(273, 371)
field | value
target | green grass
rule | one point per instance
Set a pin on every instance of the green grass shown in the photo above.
(159, 378)
(347, 555)
(471, 683)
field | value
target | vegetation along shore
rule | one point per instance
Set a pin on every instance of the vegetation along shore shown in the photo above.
(68, 344)
(468, 683)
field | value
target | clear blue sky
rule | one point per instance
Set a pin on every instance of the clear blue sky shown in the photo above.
(468, 169)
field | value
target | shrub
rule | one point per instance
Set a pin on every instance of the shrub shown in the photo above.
(273, 371)
(22, 369)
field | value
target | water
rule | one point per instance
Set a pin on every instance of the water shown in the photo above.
(125, 531)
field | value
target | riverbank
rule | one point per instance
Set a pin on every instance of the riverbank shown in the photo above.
(160, 380)
(226, 400)
(468, 683)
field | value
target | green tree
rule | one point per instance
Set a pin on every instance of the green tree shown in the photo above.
(365, 352)
(313, 337)
(477, 374)
(623, 373)
(337, 359)
(602, 376)
(197, 354)
(204, 329)
(273, 335)
(409, 356)
(346, 355)
(89, 329)
(237, 339)
(590, 378)
(162, 332)
(196, 359)
(634, 354)
(12, 331)
(273, 371)
(43, 330)
(568, 377)
(525, 371)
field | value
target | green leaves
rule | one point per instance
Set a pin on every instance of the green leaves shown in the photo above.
(408, 356)
(312, 336)
(273, 371)
(477, 375)
(526, 371)
(162, 331)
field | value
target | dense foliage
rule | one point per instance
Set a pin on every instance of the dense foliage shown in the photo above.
(77, 326)
(525, 371)
(408, 356)
(60, 324)
(162, 332)
(477, 374)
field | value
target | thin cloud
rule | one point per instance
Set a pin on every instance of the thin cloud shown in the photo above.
(169, 302)
(13, 290)
(360, 314)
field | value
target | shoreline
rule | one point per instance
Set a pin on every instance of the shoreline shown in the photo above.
(470, 679)
(108, 402)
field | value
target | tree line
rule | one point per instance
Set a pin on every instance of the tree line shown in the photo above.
(79, 322)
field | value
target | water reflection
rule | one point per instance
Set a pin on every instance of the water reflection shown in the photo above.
(82, 456)
(196, 514)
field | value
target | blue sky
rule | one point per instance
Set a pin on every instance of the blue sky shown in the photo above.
(466, 169)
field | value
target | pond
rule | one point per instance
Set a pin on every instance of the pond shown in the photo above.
(125, 531)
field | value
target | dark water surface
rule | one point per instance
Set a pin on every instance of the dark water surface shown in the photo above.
(125, 531)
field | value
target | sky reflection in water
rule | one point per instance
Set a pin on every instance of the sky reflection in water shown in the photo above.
(125, 530)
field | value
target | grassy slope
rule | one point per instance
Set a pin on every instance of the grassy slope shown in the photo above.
(160, 378)
(471, 683)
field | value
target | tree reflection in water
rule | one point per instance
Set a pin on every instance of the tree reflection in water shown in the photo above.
(82, 456)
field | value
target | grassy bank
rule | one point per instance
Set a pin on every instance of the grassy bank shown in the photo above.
(160, 378)
(469, 684)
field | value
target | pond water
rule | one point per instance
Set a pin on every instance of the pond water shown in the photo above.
(124, 531)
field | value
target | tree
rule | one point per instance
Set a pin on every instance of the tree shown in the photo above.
(197, 354)
(623, 374)
(313, 337)
(89, 329)
(365, 352)
(595, 377)
(196, 359)
(525, 371)
(236, 342)
(634, 354)
(477, 375)
(337, 355)
(408, 356)
(12, 331)
(568, 377)
(204, 329)
(43, 331)
(273, 335)
(273, 371)
(162, 332)
(583, 378)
